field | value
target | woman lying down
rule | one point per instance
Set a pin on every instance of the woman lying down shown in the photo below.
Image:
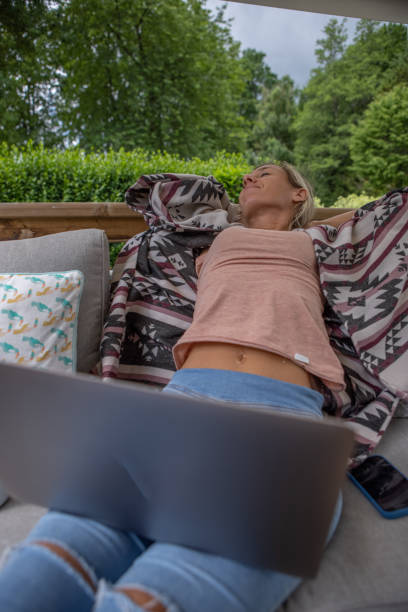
(258, 337)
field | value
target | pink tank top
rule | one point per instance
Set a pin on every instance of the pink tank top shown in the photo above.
(260, 288)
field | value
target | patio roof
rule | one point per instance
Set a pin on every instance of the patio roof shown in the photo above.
(380, 10)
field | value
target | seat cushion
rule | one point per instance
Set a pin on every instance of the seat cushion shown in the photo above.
(366, 563)
(84, 250)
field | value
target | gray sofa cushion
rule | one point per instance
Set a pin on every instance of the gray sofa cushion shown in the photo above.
(366, 563)
(389, 607)
(85, 250)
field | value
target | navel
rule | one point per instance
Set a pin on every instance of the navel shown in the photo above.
(241, 357)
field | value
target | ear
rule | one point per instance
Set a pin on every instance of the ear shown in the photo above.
(300, 194)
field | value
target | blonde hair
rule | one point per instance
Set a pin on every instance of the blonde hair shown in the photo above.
(305, 210)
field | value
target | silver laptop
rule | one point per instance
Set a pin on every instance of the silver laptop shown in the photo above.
(245, 483)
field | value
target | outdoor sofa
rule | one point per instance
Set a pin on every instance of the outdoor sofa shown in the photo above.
(365, 566)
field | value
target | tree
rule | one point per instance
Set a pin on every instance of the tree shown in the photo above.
(379, 143)
(116, 73)
(272, 136)
(26, 76)
(259, 78)
(334, 101)
(332, 47)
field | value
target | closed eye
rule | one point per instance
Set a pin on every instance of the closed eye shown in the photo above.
(266, 173)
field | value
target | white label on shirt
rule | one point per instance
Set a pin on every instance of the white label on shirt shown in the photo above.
(301, 358)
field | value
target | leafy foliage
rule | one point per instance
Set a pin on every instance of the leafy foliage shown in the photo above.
(114, 250)
(273, 134)
(154, 74)
(151, 75)
(26, 83)
(332, 47)
(259, 78)
(143, 75)
(379, 143)
(36, 174)
(335, 99)
(354, 200)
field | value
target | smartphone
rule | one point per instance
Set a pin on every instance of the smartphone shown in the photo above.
(384, 485)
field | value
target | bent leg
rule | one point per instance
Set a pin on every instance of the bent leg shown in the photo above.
(59, 564)
(170, 578)
(186, 580)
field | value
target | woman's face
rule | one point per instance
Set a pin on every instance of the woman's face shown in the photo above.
(268, 186)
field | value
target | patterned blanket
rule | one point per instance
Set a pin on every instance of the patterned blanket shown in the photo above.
(363, 272)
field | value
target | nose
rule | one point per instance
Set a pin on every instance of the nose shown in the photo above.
(247, 179)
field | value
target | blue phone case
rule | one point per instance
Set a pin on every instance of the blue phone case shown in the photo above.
(385, 513)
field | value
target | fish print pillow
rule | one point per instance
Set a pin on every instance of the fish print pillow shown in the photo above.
(38, 318)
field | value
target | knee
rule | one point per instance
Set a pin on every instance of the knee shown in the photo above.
(45, 575)
(44, 557)
(71, 559)
(130, 597)
(108, 551)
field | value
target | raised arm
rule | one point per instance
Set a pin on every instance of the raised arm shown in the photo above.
(333, 221)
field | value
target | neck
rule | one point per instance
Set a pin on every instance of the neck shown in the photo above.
(263, 220)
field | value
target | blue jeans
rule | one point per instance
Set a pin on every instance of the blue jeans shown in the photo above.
(183, 580)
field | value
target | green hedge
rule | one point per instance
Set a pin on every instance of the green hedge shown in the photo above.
(36, 174)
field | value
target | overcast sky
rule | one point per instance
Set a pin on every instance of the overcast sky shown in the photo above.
(287, 37)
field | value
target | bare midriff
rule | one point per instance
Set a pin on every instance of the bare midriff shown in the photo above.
(239, 358)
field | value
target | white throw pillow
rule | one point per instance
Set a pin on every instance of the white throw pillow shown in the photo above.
(38, 318)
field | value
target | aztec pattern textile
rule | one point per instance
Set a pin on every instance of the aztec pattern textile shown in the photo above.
(154, 278)
(363, 269)
(363, 272)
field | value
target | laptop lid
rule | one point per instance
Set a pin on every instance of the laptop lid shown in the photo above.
(245, 483)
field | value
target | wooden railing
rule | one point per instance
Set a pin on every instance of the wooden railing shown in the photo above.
(31, 219)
